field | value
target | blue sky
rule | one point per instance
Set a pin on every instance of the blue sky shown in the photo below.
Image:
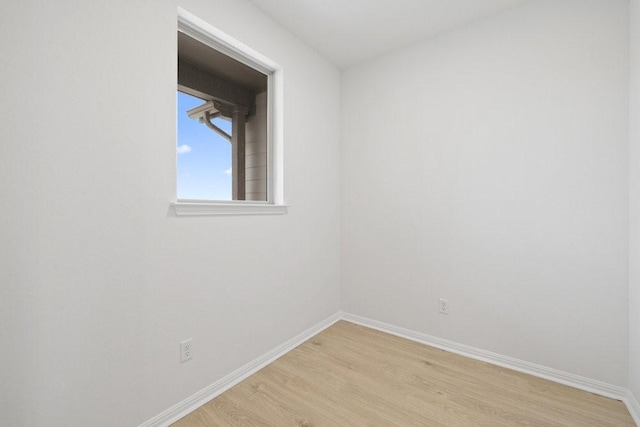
(204, 157)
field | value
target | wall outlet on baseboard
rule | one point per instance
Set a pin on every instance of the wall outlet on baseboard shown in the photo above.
(443, 306)
(186, 350)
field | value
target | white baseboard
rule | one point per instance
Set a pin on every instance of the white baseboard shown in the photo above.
(193, 402)
(633, 406)
(587, 384)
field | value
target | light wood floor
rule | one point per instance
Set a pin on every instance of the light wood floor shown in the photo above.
(350, 375)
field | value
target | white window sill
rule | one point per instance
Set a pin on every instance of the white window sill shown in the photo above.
(191, 208)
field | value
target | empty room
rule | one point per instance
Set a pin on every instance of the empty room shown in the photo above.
(320, 213)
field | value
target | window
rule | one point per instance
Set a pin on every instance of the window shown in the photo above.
(204, 157)
(229, 153)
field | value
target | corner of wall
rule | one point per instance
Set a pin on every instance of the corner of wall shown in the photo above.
(633, 406)
(634, 211)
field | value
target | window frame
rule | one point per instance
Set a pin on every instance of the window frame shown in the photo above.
(209, 35)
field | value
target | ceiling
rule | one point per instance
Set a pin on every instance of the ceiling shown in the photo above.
(350, 31)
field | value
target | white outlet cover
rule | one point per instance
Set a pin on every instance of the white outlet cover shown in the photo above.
(186, 350)
(443, 306)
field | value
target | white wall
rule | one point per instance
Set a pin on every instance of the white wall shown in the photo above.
(634, 200)
(489, 166)
(99, 280)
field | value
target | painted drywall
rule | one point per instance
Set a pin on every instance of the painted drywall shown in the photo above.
(99, 280)
(634, 203)
(489, 166)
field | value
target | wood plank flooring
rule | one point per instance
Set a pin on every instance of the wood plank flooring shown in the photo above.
(350, 375)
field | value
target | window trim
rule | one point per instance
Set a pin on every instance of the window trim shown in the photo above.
(237, 207)
(209, 35)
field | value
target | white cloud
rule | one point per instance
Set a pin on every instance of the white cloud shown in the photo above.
(227, 171)
(183, 149)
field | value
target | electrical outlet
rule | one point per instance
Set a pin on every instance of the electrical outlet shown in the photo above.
(444, 306)
(186, 350)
